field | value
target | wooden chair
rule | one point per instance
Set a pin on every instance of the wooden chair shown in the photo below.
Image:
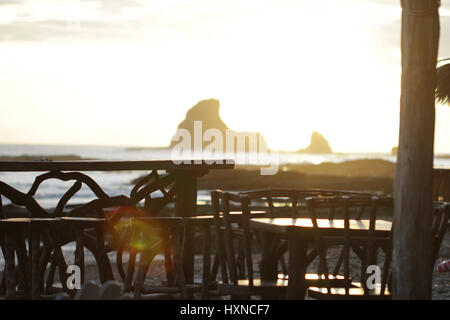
(441, 185)
(368, 244)
(27, 281)
(291, 203)
(79, 226)
(440, 219)
(239, 280)
(16, 281)
(441, 216)
(150, 236)
(276, 201)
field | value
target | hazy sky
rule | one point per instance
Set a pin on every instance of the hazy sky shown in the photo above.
(124, 72)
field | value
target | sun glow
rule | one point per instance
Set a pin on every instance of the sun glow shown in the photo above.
(127, 76)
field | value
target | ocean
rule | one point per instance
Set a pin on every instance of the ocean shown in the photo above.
(117, 183)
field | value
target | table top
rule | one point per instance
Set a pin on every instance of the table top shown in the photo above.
(101, 165)
(196, 220)
(235, 216)
(284, 225)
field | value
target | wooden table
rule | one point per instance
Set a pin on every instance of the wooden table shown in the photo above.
(181, 179)
(300, 233)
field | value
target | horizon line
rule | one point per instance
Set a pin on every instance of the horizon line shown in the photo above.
(168, 147)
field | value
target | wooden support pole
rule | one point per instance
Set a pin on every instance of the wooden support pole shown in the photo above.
(269, 261)
(412, 275)
(297, 266)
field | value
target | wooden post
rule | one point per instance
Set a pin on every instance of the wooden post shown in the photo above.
(269, 261)
(297, 266)
(412, 275)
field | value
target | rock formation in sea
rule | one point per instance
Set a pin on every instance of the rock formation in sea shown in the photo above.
(318, 145)
(205, 116)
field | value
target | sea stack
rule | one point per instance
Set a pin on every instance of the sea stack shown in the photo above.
(318, 145)
(206, 113)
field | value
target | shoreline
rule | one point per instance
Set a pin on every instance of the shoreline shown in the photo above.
(360, 175)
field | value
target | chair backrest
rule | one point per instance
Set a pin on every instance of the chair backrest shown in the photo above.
(441, 215)
(368, 240)
(225, 229)
(441, 185)
(218, 234)
(275, 199)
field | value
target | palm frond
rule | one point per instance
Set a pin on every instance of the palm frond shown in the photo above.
(443, 84)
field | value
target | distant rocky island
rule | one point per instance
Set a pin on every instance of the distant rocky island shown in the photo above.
(318, 145)
(207, 112)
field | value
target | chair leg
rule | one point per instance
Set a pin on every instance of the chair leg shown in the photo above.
(130, 271)
(46, 255)
(22, 259)
(10, 265)
(146, 257)
(311, 256)
(206, 262)
(3, 278)
(241, 261)
(269, 261)
(168, 262)
(101, 254)
(284, 267)
(3, 283)
(281, 250)
(338, 265)
(215, 268)
(35, 265)
(143, 267)
(51, 274)
(60, 262)
(179, 271)
(79, 251)
(221, 253)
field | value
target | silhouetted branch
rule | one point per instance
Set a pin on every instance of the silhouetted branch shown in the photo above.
(66, 176)
(22, 199)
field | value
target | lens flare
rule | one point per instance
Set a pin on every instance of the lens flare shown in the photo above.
(135, 230)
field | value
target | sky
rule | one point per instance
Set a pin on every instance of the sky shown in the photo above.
(124, 72)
